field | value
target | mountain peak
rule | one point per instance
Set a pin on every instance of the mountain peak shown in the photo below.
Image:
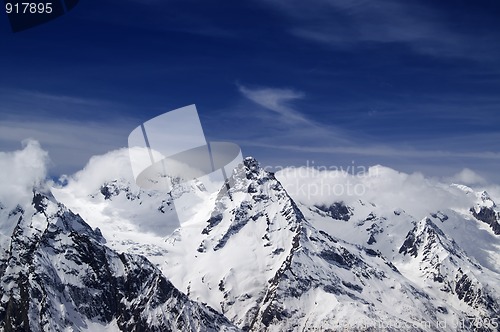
(251, 162)
(58, 275)
(486, 199)
(253, 170)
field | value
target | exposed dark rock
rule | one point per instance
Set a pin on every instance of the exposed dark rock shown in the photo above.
(241, 217)
(489, 216)
(337, 210)
(354, 287)
(439, 215)
(66, 265)
(371, 239)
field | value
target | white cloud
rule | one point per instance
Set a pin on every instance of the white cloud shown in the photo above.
(21, 171)
(494, 192)
(383, 186)
(69, 143)
(119, 215)
(386, 187)
(100, 169)
(276, 100)
(81, 194)
(116, 165)
(467, 177)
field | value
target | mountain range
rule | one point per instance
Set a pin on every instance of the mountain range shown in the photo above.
(257, 255)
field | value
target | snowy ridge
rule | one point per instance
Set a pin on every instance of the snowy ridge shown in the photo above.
(484, 209)
(454, 280)
(444, 267)
(266, 267)
(57, 275)
(268, 260)
(238, 247)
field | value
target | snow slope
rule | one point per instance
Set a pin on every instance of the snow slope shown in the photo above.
(56, 274)
(405, 253)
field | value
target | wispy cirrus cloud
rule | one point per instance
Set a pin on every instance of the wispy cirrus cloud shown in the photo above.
(42, 96)
(286, 123)
(278, 100)
(382, 150)
(70, 127)
(289, 133)
(420, 27)
(34, 104)
(311, 136)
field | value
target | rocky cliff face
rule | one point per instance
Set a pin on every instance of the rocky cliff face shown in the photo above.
(266, 266)
(449, 272)
(269, 261)
(56, 274)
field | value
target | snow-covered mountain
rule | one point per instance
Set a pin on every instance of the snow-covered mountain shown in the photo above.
(57, 274)
(269, 258)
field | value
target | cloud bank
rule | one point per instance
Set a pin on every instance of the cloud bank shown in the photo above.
(468, 177)
(100, 169)
(21, 171)
(380, 185)
(415, 193)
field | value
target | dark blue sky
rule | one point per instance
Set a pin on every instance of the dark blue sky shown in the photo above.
(414, 85)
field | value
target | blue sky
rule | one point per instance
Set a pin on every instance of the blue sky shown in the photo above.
(413, 85)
